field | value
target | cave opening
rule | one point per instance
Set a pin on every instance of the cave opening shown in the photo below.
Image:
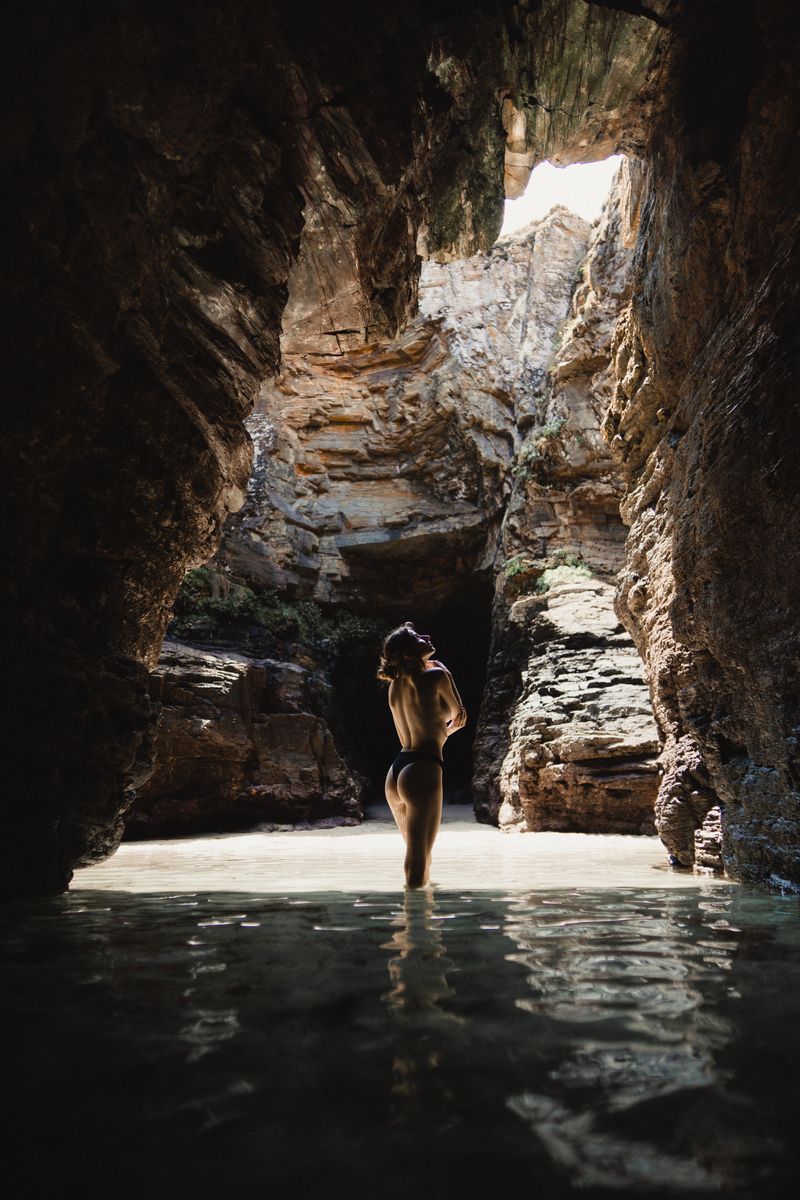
(183, 178)
(583, 188)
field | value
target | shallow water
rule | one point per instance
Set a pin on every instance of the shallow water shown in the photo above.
(369, 857)
(601, 1041)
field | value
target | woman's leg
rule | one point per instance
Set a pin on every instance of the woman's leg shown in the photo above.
(419, 786)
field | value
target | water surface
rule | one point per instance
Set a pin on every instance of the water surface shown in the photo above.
(594, 1041)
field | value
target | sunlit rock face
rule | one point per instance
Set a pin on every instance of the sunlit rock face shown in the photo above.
(381, 474)
(376, 468)
(705, 421)
(582, 744)
(160, 165)
(566, 738)
(240, 743)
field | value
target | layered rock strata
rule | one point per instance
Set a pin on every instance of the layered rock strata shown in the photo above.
(566, 738)
(381, 474)
(241, 743)
(497, 390)
(156, 169)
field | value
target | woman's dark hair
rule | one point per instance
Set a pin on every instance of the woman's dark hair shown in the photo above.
(401, 654)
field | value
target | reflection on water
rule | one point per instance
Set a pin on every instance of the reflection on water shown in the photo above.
(595, 1042)
(649, 1035)
(418, 974)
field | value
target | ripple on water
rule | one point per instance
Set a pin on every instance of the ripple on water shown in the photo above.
(333, 1044)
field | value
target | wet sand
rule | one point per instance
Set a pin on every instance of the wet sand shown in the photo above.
(370, 857)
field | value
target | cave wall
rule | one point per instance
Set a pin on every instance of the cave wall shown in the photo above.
(381, 477)
(382, 472)
(410, 477)
(157, 163)
(705, 422)
(242, 742)
(566, 738)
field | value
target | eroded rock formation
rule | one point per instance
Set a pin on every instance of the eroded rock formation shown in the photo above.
(706, 423)
(566, 737)
(240, 743)
(159, 166)
(381, 474)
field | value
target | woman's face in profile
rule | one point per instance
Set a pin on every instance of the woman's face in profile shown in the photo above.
(423, 640)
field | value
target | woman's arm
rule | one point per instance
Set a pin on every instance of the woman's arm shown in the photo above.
(435, 663)
(449, 692)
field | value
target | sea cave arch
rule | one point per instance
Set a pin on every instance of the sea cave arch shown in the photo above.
(167, 170)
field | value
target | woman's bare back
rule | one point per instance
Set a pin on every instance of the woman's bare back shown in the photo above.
(421, 709)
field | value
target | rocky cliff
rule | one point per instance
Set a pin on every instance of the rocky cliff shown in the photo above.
(164, 169)
(240, 743)
(381, 473)
(566, 738)
(383, 478)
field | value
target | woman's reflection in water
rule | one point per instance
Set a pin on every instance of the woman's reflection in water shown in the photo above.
(418, 974)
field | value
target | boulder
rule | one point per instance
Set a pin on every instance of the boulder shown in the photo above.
(239, 745)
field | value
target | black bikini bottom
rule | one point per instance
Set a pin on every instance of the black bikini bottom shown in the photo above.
(408, 756)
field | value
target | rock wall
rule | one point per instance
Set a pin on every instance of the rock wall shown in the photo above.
(159, 167)
(566, 738)
(376, 466)
(382, 473)
(706, 423)
(241, 743)
(381, 478)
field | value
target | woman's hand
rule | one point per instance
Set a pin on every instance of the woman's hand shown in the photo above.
(457, 722)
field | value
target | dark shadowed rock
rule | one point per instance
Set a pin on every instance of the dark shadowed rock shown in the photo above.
(164, 167)
(238, 745)
(706, 423)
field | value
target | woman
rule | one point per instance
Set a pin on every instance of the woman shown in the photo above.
(426, 709)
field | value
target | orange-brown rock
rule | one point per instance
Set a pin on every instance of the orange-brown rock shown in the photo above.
(164, 167)
(376, 466)
(381, 473)
(159, 166)
(706, 424)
